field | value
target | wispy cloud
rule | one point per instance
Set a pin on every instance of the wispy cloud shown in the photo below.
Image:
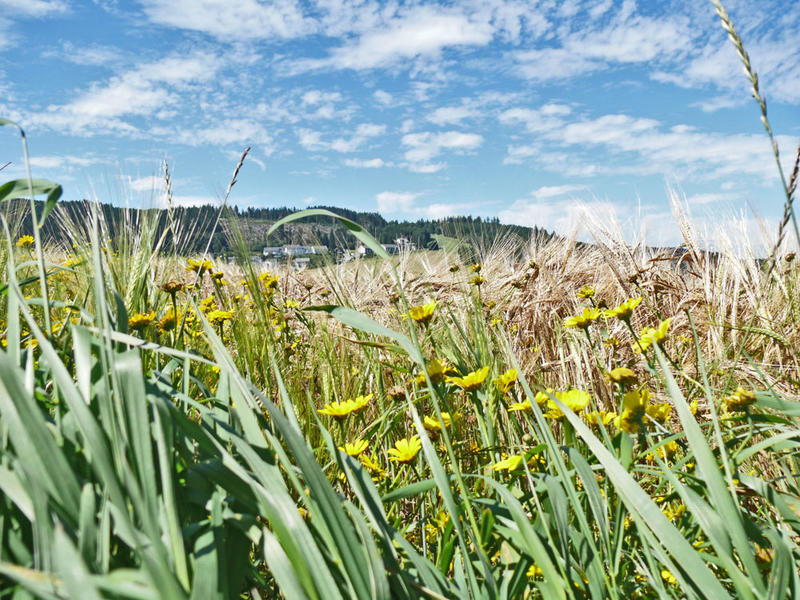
(232, 21)
(312, 140)
(627, 37)
(424, 31)
(141, 91)
(395, 202)
(425, 146)
(366, 163)
(34, 8)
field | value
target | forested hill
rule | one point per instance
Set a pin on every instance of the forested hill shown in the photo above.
(194, 224)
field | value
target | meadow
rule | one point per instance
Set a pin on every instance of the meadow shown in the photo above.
(511, 420)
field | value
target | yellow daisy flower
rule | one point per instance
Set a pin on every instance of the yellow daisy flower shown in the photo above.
(354, 448)
(584, 319)
(424, 313)
(622, 375)
(633, 409)
(405, 450)
(739, 400)
(575, 400)
(648, 335)
(624, 311)
(140, 321)
(470, 381)
(25, 240)
(506, 381)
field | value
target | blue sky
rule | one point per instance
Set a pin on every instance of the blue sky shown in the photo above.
(530, 111)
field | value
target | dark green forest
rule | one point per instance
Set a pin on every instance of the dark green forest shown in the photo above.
(247, 228)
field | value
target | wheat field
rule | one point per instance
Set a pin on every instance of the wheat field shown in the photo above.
(542, 419)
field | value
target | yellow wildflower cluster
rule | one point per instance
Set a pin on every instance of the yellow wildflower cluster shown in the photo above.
(340, 410)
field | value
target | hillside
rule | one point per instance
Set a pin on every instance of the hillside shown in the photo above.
(252, 224)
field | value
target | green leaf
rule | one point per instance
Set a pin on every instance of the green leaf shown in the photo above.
(22, 188)
(647, 513)
(359, 232)
(362, 322)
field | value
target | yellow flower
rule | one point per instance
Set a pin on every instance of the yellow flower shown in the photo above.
(434, 425)
(534, 571)
(596, 417)
(168, 321)
(437, 371)
(659, 412)
(470, 381)
(648, 335)
(476, 268)
(693, 407)
(207, 304)
(523, 406)
(510, 464)
(269, 280)
(199, 266)
(218, 317)
(624, 310)
(340, 410)
(405, 450)
(673, 514)
(477, 280)
(575, 400)
(586, 291)
(515, 463)
(374, 467)
(141, 320)
(25, 240)
(634, 408)
(739, 400)
(668, 577)
(542, 398)
(665, 452)
(622, 375)
(584, 319)
(506, 381)
(354, 448)
(424, 313)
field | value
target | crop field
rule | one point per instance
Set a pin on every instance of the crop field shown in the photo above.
(543, 419)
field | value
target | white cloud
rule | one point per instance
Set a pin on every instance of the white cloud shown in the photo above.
(626, 38)
(230, 131)
(142, 91)
(369, 163)
(151, 183)
(550, 191)
(440, 210)
(451, 115)
(772, 43)
(422, 32)
(425, 146)
(65, 161)
(382, 97)
(314, 97)
(395, 202)
(34, 8)
(85, 55)
(622, 144)
(232, 21)
(312, 140)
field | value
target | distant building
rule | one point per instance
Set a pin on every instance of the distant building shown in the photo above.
(293, 250)
(405, 245)
(300, 263)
